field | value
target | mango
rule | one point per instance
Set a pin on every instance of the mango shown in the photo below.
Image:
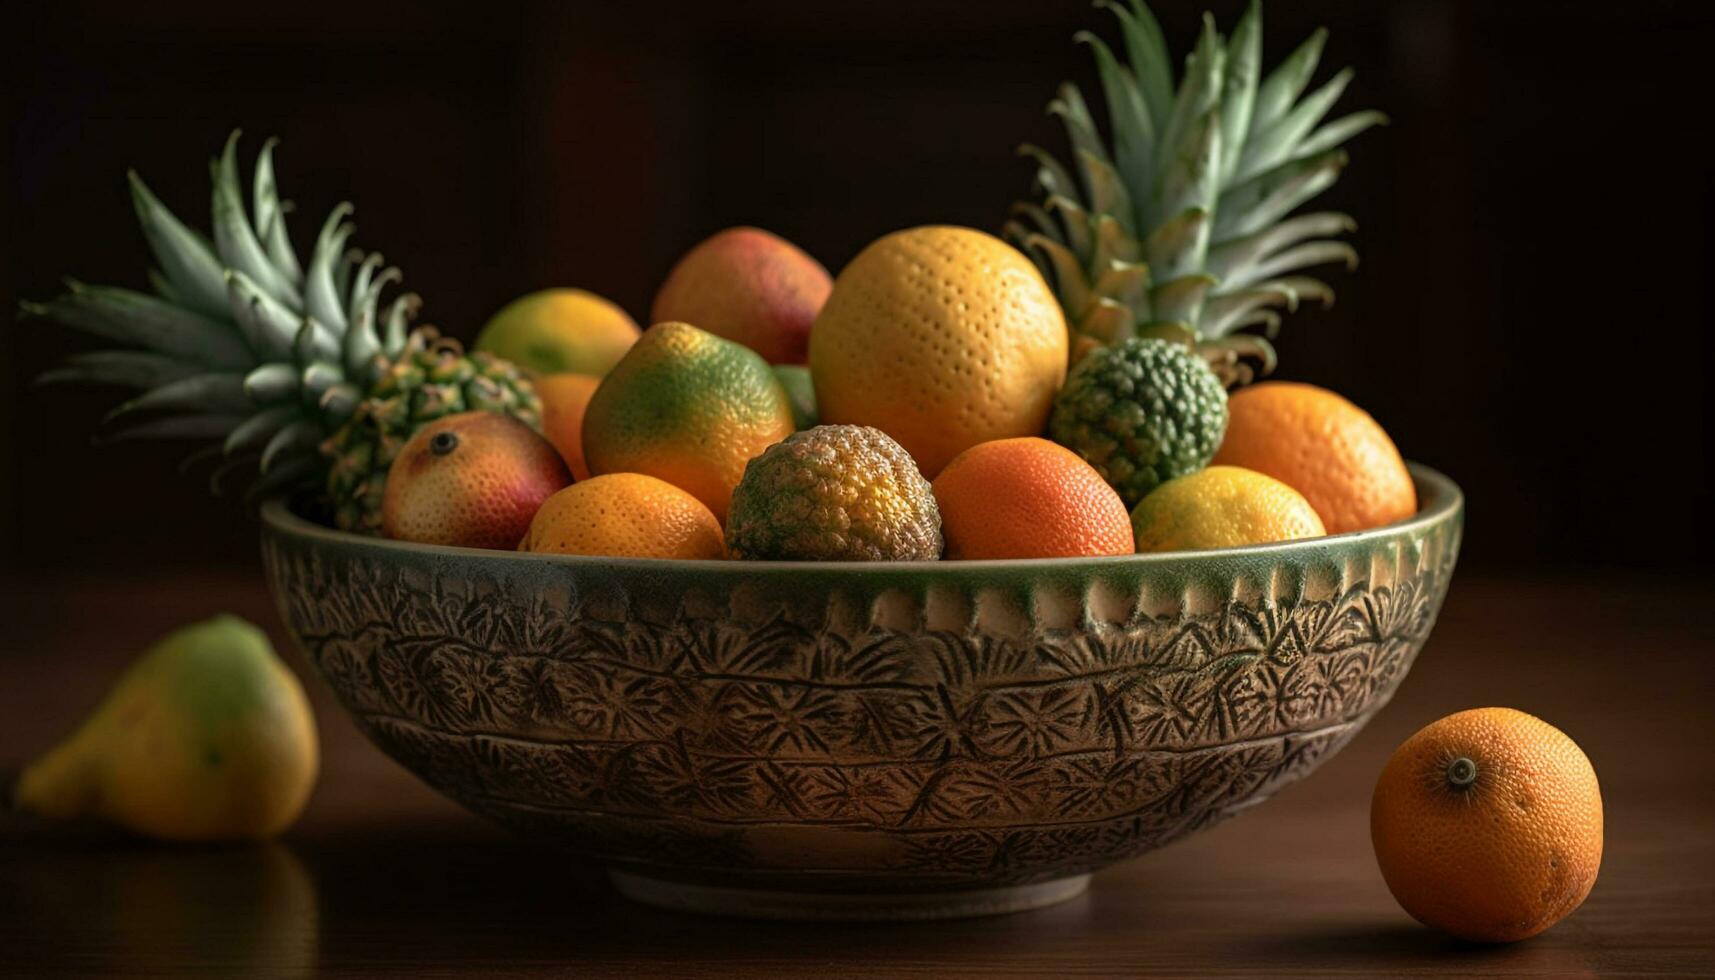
(748, 286)
(470, 480)
(687, 407)
(558, 330)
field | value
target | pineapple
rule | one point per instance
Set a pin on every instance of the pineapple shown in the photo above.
(1176, 226)
(295, 369)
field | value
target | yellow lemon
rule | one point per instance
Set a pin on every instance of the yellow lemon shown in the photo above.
(1222, 507)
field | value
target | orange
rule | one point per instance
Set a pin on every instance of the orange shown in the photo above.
(565, 396)
(1222, 507)
(473, 479)
(1487, 825)
(688, 407)
(942, 338)
(1028, 498)
(625, 515)
(1323, 446)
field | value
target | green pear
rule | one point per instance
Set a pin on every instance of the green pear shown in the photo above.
(206, 737)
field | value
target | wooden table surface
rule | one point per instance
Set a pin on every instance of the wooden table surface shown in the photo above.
(383, 876)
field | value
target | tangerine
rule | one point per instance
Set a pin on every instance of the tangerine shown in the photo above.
(1029, 498)
(1487, 825)
(1323, 446)
(625, 515)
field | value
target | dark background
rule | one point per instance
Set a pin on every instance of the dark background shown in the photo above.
(1533, 313)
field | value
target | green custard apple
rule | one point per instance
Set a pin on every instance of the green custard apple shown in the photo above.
(1141, 412)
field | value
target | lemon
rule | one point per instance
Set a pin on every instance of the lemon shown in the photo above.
(1222, 507)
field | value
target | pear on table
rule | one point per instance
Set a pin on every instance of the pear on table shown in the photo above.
(207, 737)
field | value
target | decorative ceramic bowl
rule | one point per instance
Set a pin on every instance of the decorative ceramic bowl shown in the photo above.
(864, 740)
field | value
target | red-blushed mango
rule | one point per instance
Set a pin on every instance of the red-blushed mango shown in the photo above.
(749, 286)
(474, 480)
(687, 407)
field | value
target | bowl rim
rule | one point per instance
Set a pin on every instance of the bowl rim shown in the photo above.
(1439, 499)
(1438, 496)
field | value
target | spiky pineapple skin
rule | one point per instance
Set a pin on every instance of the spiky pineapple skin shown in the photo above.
(431, 378)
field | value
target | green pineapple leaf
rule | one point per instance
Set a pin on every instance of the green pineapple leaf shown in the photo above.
(1239, 87)
(1197, 192)
(270, 215)
(236, 241)
(1146, 49)
(283, 364)
(125, 368)
(254, 432)
(142, 320)
(186, 259)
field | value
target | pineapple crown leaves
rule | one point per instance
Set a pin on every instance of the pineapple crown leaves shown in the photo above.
(238, 341)
(1179, 227)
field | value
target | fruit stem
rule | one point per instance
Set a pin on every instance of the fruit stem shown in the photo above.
(1461, 773)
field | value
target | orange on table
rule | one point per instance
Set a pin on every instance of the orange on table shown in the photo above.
(565, 396)
(625, 515)
(1323, 446)
(1028, 498)
(1487, 825)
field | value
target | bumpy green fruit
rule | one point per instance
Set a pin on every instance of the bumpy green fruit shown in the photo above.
(1142, 413)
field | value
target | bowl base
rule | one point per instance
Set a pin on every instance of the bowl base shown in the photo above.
(760, 903)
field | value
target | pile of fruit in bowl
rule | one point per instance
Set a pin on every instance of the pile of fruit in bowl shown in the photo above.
(944, 414)
(831, 587)
(946, 411)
